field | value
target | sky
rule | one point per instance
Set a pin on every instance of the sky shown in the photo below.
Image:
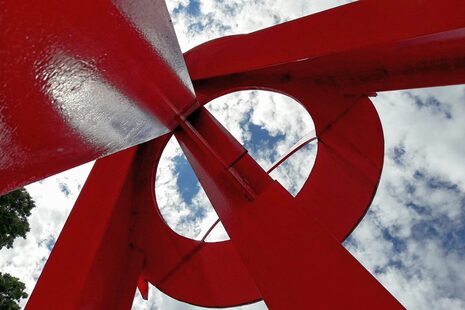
(413, 236)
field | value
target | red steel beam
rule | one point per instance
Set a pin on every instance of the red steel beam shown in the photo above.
(347, 28)
(95, 262)
(84, 79)
(427, 61)
(292, 258)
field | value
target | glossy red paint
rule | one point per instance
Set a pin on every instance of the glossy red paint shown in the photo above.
(285, 250)
(352, 28)
(84, 79)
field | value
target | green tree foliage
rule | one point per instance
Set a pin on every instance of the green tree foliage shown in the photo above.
(11, 292)
(15, 207)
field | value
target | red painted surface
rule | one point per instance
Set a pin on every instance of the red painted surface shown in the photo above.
(82, 79)
(285, 250)
(347, 29)
(95, 256)
(284, 247)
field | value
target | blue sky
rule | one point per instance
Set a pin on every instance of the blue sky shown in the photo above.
(413, 237)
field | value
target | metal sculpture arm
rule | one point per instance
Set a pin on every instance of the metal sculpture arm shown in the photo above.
(84, 80)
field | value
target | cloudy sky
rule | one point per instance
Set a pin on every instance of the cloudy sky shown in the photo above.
(413, 237)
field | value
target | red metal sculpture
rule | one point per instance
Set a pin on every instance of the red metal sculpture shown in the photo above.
(85, 79)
